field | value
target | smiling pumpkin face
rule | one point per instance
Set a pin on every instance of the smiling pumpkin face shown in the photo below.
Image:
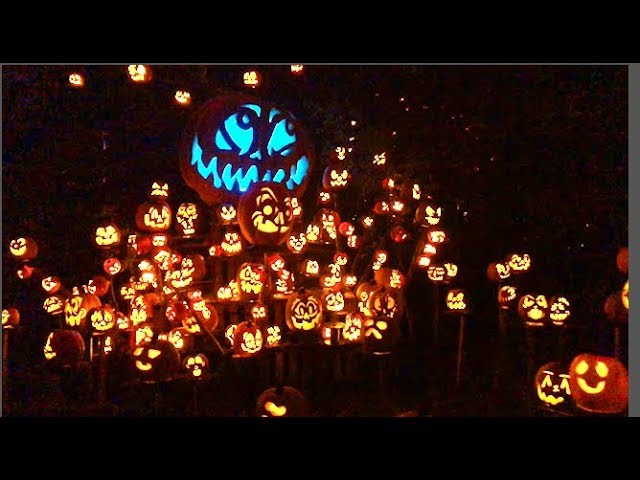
(23, 248)
(265, 214)
(156, 360)
(304, 311)
(282, 401)
(599, 384)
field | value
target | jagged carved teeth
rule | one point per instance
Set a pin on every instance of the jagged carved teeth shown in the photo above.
(237, 179)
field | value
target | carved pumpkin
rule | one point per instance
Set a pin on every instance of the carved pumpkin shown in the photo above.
(154, 216)
(139, 73)
(380, 334)
(231, 243)
(297, 242)
(352, 329)
(251, 279)
(552, 384)
(206, 314)
(399, 234)
(559, 310)
(188, 219)
(334, 301)
(327, 220)
(389, 277)
(77, 308)
(98, 285)
(107, 236)
(63, 348)
(615, 311)
(428, 214)
(196, 365)
(363, 293)
(336, 177)
(252, 78)
(622, 260)
(76, 80)
(519, 263)
(234, 141)
(436, 273)
(265, 214)
(247, 339)
(533, 309)
(10, 317)
(599, 384)
(229, 333)
(507, 296)
(497, 272)
(23, 248)
(385, 302)
(112, 266)
(436, 236)
(143, 333)
(282, 401)
(181, 339)
(227, 213)
(303, 311)
(51, 284)
(103, 318)
(456, 301)
(156, 361)
(274, 336)
(182, 97)
(54, 304)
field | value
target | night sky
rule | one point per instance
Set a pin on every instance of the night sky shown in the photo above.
(522, 158)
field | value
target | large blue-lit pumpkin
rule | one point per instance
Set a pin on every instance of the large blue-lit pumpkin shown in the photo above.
(235, 140)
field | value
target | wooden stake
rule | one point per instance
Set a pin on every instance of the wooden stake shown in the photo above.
(5, 370)
(616, 341)
(460, 344)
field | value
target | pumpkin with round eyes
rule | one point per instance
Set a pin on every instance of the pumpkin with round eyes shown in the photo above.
(622, 260)
(552, 384)
(227, 213)
(282, 401)
(98, 285)
(507, 297)
(77, 308)
(63, 348)
(428, 214)
(599, 384)
(497, 271)
(327, 220)
(559, 310)
(385, 302)
(197, 366)
(265, 214)
(297, 242)
(107, 236)
(274, 335)
(533, 310)
(181, 339)
(334, 301)
(336, 177)
(456, 301)
(234, 141)
(112, 266)
(76, 80)
(188, 219)
(156, 361)
(615, 311)
(251, 280)
(154, 216)
(10, 317)
(259, 313)
(303, 311)
(436, 236)
(139, 73)
(103, 318)
(389, 277)
(23, 248)
(182, 97)
(519, 263)
(51, 284)
(352, 329)
(54, 304)
(247, 339)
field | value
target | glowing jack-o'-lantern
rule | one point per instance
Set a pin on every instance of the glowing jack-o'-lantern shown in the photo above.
(324, 197)
(367, 222)
(25, 272)
(227, 213)
(497, 271)
(451, 271)
(154, 216)
(247, 339)
(265, 214)
(297, 68)
(297, 243)
(552, 384)
(139, 73)
(156, 361)
(51, 284)
(103, 318)
(380, 159)
(23, 248)
(188, 219)
(624, 295)
(310, 267)
(622, 260)
(456, 301)
(122, 321)
(98, 285)
(352, 330)
(159, 190)
(382, 207)
(282, 401)
(428, 215)
(437, 236)
(399, 234)
(599, 384)
(390, 277)
(380, 334)
(229, 332)
(274, 335)
(436, 273)
(181, 339)
(519, 263)
(296, 208)
(64, 347)
(385, 302)
(424, 261)
(196, 365)
(107, 235)
(312, 233)
(559, 310)
(346, 229)
(533, 309)
(354, 241)
(182, 97)
(204, 316)
(76, 80)
(507, 297)
(336, 177)
(10, 317)
(303, 311)
(252, 78)
(363, 292)
(334, 301)
(233, 141)
(112, 266)
(276, 263)
(231, 243)
(54, 304)
(251, 278)
(259, 313)
(328, 221)
(77, 308)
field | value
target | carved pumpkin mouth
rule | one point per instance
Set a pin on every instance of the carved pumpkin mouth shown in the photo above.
(548, 398)
(143, 366)
(275, 410)
(242, 177)
(196, 371)
(589, 389)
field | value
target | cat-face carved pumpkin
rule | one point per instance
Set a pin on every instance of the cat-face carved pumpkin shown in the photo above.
(303, 311)
(533, 309)
(265, 214)
(599, 384)
(234, 141)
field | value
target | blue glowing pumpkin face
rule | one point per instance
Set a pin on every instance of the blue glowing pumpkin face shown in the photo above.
(234, 141)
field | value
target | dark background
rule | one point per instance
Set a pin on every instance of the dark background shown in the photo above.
(523, 158)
